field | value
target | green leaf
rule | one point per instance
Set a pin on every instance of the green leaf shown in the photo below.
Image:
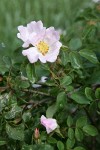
(70, 143)
(50, 83)
(26, 116)
(61, 100)
(78, 134)
(3, 69)
(75, 60)
(13, 112)
(4, 100)
(57, 130)
(70, 133)
(90, 129)
(16, 133)
(97, 93)
(60, 145)
(75, 43)
(24, 84)
(89, 54)
(41, 70)
(82, 121)
(79, 98)
(79, 148)
(30, 72)
(3, 143)
(64, 58)
(51, 111)
(19, 83)
(67, 80)
(95, 77)
(28, 147)
(69, 88)
(7, 61)
(37, 147)
(89, 93)
(69, 121)
(45, 147)
(51, 140)
(93, 108)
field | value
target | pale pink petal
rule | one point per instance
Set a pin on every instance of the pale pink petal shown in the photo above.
(35, 26)
(30, 26)
(54, 51)
(51, 35)
(37, 32)
(32, 54)
(48, 130)
(39, 26)
(52, 59)
(42, 58)
(56, 45)
(49, 123)
(35, 38)
(26, 44)
(23, 35)
(43, 120)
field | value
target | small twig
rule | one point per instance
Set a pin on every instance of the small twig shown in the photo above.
(35, 103)
(40, 102)
(37, 92)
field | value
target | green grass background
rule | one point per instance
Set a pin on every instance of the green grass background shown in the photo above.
(57, 13)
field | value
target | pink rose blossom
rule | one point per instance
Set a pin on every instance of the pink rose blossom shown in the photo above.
(44, 43)
(49, 123)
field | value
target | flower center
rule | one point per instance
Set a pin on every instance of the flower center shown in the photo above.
(43, 47)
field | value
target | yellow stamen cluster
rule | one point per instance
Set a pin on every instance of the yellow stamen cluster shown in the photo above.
(43, 47)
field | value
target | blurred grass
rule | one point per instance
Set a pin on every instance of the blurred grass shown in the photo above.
(58, 13)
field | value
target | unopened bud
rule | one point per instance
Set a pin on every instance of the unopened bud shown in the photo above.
(36, 134)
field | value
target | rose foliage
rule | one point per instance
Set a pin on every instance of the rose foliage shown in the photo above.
(50, 97)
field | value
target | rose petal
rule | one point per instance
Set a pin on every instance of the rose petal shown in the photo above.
(49, 123)
(23, 35)
(32, 54)
(35, 37)
(51, 35)
(42, 58)
(54, 51)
